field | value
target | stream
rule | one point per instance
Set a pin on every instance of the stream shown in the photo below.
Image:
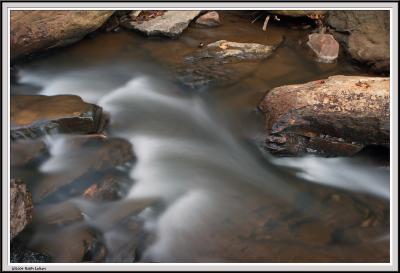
(219, 197)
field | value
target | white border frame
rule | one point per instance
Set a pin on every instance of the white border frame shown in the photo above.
(392, 6)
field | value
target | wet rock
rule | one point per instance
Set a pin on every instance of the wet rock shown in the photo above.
(324, 46)
(20, 254)
(364, 35)
(230, 52)
(171, 23)
(110, 187)
(72, 244)
(27, 152)
(21, 207)
(32, 31)
(56, 215)
(33, 116)
(82, 164)
(209, 19)
(337, 116)
(221, 63)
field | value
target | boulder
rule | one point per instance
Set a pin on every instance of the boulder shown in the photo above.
(209, 19)
(21, 207)
(33, 116)
(221, 63)
(33, 31)
(324, 46)
(82, 164)
(170, 23)
(337, 116)
(364, 35)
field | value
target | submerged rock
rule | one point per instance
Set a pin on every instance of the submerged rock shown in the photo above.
(221, 63)
(337, 116)
(32, 31)
(57, 215)
(170, 23)
(27, 152)
(324, 46)
(20, 254)
(82, 164)
(21, 207)
(364, 35)
(209, 19)
(33, 116)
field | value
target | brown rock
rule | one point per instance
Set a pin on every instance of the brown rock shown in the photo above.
(32, 31)
(27, 152)
(210, 19)
(85, 158)
(364, 35)
(21, 207)
(324, 46)
(337, 116)
(32, 116)
(56, 215)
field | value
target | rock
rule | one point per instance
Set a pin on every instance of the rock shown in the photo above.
(324, 45)
(209, 19)
(71, 244)
(27, 152)
(82, 164)
(299, 13)
(21, 207)
(110, 187)
(220, 63)
(230, 52)
(33, 31)
(337, 116)
(20, 254)
(33, 116)
(364, 35)
(171, 23)
(56, 215)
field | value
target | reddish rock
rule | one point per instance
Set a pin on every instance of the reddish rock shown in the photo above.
(21, 207)
(210, 19)
(324, 45)
(337, 116)
(33, 31)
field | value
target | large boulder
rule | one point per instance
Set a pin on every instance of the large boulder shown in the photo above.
(364, 34)
(170, 23)
(33, 116)
(221, 63)
(38, 30)
(21, 207)
(337, 116)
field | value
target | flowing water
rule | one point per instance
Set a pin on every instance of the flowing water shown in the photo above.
(199, 155)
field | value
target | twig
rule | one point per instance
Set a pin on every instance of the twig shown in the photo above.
(264, 28)
(256, 18)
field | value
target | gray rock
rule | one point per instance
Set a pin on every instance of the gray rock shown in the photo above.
(337, 116)
(364, 35)
(171, 24)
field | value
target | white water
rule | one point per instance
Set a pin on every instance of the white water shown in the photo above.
(191, 160)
